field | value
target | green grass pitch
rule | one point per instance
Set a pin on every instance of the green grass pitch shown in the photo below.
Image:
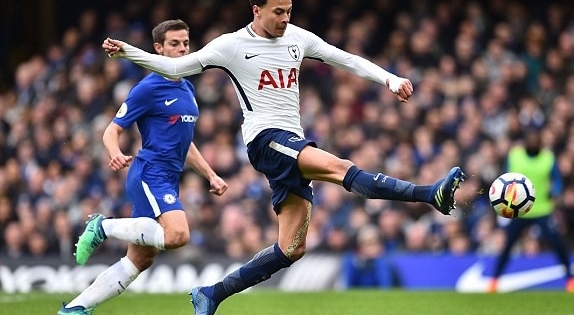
(261, 302)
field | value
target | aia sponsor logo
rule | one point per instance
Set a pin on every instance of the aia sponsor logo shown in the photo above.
(283, 79)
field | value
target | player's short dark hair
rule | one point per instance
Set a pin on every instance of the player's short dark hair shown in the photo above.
(258, 3)
(158, 32)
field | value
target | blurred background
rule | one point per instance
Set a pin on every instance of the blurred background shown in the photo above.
(483, 72)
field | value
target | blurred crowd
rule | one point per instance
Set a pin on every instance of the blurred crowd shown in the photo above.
(482, 71)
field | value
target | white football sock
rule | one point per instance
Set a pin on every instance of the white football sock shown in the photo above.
(141, 231)
(110, 283)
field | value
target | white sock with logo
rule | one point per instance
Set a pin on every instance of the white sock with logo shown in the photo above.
(110, 283)
(141, 231)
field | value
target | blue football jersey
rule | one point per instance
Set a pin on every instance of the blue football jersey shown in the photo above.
(165, 113)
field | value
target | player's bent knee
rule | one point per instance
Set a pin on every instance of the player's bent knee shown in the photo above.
(142, 260)
(143, 263)
(176, 238)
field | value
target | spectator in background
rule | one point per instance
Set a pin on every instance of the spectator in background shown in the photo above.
(37, 244)
(539, 165)
(390, 223)
(15, 241)
(367, 266)
(6, 216)
(65, 237)
(418, 237)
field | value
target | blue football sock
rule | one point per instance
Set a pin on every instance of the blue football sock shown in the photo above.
(260, 268)
(424, 192)
(381, 186)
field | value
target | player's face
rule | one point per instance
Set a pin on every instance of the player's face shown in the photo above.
(176, 44)
(272, 18)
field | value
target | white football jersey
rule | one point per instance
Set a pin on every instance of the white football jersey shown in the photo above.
(264, 71)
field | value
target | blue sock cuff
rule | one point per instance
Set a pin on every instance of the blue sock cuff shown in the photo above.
(286, 261)
(350, 177)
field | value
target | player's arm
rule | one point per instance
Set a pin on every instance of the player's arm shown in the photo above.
(218, 52)
(360, 66)
(173, 68)
(200, 165)
(111, 139)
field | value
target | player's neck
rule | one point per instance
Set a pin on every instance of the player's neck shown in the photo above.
(260, 31)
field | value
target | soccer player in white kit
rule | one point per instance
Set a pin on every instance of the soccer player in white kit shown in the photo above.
(263, 61)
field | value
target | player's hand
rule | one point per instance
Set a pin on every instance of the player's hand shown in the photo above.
(403, 88)
(112, 47)
(218, 186)
(120, 161)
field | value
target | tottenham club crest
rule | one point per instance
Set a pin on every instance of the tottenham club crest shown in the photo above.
(295, 52)
(169, 199)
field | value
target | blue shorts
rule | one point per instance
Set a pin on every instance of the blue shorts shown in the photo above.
(274, 153)
(152, 189)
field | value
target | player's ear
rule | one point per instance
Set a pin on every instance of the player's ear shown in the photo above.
(256, 11)
(158, 48)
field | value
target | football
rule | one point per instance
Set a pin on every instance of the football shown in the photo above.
(511, 195)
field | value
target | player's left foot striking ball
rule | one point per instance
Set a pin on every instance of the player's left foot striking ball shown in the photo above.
(203, 304)
(443, 195)
(92, 237)
(76, 310)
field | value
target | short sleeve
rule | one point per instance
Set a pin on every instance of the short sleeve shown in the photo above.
(134, 107)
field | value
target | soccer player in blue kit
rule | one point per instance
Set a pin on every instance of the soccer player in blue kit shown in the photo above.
(263, 61)
(165, 112)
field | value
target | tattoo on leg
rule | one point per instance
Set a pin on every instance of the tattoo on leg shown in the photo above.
(300, 234)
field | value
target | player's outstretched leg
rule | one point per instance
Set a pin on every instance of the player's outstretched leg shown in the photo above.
(76, 310)
(202, 304)
(443, 194)
(380, 186)
(90, 239)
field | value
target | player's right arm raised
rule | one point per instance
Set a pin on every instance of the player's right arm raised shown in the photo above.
(318, 48)
(173, 68)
